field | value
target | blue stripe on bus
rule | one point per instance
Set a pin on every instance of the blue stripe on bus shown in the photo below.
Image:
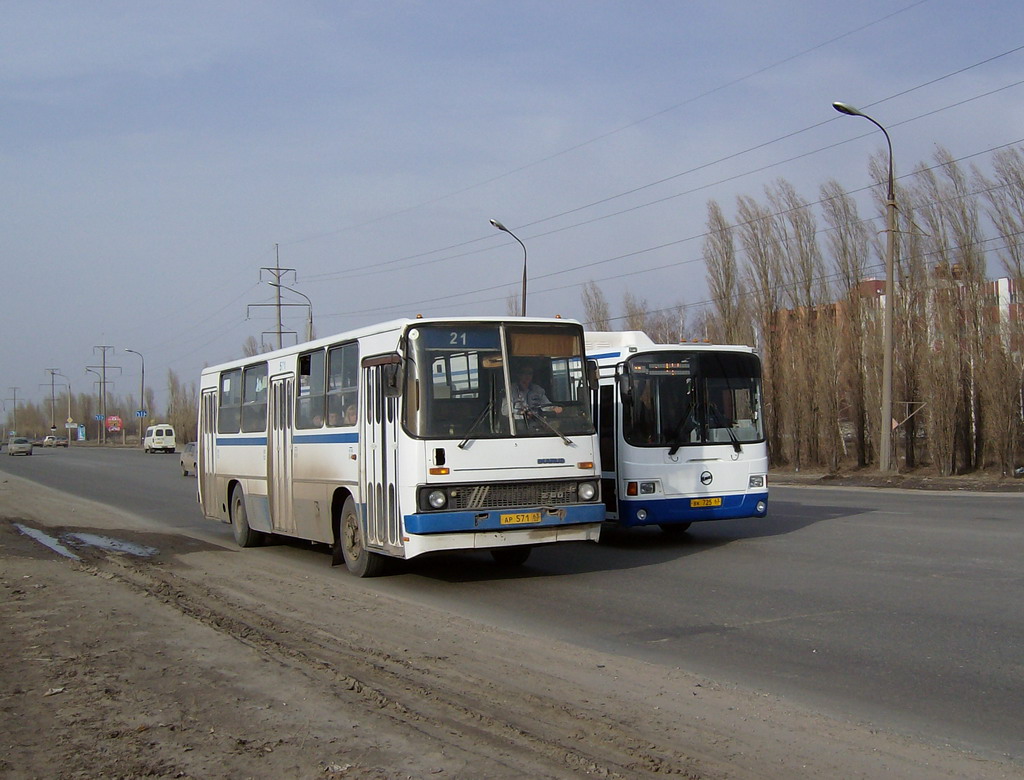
(604, 355)
(298, 438)
(325, 438)
(490, 520)
(678, 510)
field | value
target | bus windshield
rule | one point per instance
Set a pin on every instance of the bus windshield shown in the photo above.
(675, 399)
(460, 378)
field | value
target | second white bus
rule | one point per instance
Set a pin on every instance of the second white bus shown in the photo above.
(396, 440)
(681, 431)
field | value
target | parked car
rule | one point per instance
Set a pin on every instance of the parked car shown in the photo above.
(61, 442)
(19, 445)
(159, 437)
(50, 441)
(188, 459)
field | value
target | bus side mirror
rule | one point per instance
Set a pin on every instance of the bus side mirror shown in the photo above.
(624, 385)
(393, 376)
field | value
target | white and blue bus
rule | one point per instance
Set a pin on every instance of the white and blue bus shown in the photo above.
(681, 431)
(396, 440)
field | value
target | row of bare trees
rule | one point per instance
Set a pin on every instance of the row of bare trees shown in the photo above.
(35, 418)
(799, 280)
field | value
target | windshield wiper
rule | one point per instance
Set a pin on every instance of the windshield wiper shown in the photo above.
(476, 422)
(677, 435)
(728, 428)
(529, 413)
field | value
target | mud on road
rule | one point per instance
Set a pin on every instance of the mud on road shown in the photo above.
(207, 661)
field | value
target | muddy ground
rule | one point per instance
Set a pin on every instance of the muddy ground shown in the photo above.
(206, 661)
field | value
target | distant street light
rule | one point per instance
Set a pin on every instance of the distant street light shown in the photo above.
(309, 304)
(66, 429)
(142, 397)
(885, 451)
(499, 226)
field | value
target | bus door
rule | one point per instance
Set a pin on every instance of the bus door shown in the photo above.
(279, 454)
(379, 441)
(206, 455)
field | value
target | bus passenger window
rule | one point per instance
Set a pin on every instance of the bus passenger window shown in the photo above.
(309, 407)
(229, 413)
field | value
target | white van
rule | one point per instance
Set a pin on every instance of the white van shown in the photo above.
(159, 438)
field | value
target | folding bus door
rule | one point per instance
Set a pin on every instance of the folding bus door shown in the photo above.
(279, 455)
(206, 455)
(380, 436)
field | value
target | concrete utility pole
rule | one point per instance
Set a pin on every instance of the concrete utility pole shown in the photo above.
(103, 386)
(53, 419)
(14, 422)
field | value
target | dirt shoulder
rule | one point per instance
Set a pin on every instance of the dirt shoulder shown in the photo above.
(206, 661)
(920, 479)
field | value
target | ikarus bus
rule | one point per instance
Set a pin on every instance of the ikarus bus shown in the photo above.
(408, 437)
(681, 431)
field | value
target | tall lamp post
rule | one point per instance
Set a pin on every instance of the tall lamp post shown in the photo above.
(501, 227)
(309, 304)
(142, 397)
(67, 430)
(885, 451)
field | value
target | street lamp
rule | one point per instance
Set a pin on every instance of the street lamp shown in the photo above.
(501, 227)
(885, 450)
(66, 429)
(309, 304)
(142, 397)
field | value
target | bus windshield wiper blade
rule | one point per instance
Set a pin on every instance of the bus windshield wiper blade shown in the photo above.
(528, 413)
(476, 422)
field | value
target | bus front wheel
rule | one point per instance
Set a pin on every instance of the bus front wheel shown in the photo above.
(358, 560)
(244, 535)
(674, 529)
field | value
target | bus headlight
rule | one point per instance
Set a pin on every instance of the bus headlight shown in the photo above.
(437, 499)
(757, 481)
(587, 491)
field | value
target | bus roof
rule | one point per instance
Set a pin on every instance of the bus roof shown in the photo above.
(396, 325)
(616, 344)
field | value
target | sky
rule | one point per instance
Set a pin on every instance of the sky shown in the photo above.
(154, 157)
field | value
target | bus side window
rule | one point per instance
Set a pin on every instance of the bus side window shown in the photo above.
(254, 399)
(342, 384)
(309, 406)
(229, 414)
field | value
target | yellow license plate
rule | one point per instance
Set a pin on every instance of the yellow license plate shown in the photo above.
(520, 518)
(697, 503)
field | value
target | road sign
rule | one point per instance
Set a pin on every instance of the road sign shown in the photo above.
(141, 413)
(97, 417)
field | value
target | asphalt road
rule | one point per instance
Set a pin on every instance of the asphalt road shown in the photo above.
(898, 608)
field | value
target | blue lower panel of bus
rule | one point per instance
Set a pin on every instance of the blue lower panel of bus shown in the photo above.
(679, 510)
(502, 519)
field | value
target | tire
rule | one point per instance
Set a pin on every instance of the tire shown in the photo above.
(244, 535)
(358, 560)
(674, 529)
(511, 556)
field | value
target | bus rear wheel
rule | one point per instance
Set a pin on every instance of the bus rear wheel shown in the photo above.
(358, 560)
(244, 535)
(511, 556)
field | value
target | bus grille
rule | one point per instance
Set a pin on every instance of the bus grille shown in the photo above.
(513, 495)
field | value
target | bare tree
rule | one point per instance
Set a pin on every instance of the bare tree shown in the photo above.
(848, 244)
(596, 313)
(729, 323)
(634, 311)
